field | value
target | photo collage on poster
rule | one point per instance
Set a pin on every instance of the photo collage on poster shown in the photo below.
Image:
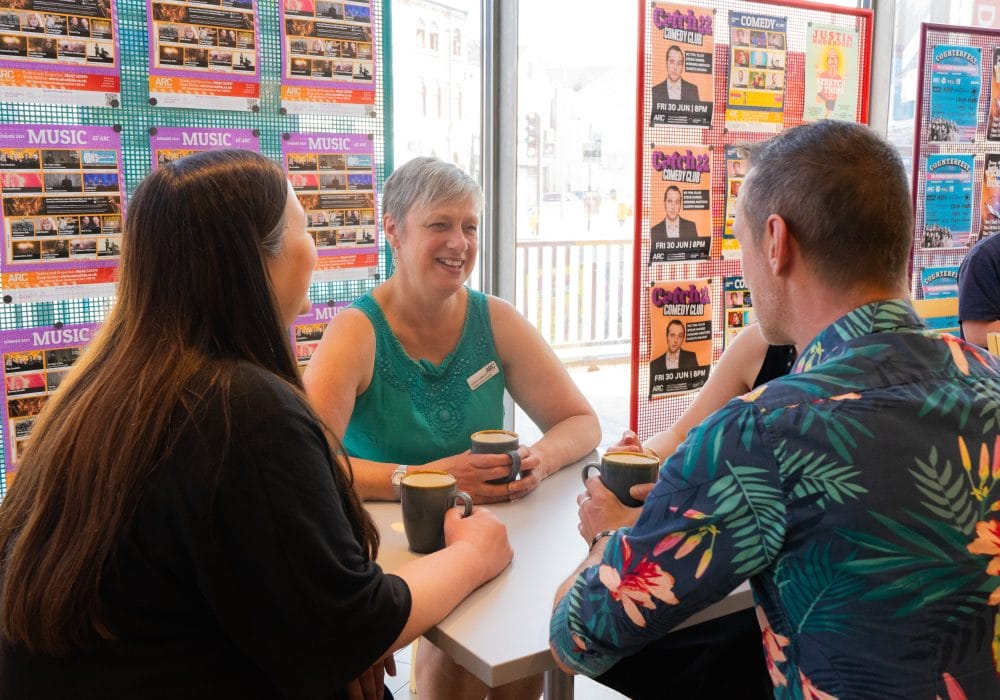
(327, 56)
(334, 178)
(737, 307)
(59, 52)
(204, 54)
(680, 325)
(308, 329)
(35, 362)
(61, 188)
(722, 75)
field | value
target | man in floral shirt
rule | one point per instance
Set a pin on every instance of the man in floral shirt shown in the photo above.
(860, 494)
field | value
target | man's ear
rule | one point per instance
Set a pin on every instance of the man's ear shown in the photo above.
(779, 244)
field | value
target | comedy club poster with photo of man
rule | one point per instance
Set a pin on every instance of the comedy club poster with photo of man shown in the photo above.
(682, 74)
(680, 327)
(680, 207)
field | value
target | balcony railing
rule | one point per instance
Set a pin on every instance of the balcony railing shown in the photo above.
(577, 293)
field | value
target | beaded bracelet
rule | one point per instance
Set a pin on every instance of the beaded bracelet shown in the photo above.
(600, 536)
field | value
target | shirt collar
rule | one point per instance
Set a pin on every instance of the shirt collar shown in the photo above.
(883, 316)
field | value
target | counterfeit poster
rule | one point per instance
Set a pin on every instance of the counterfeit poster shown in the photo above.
(683, 72)
(60, 52)
(736, 306)
(334, 178)
(35, 362)
(308, 329)
(757, 62)
(940, 283)
(989, 219)
(204, 55)
(327, 57)
(61, 188)
(831, 90)
(167, 144)
(955, 83)
(948, 201)
(681, 206)
(680, 326)
(737, 164)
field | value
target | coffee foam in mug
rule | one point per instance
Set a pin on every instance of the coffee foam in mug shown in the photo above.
(428, 480)
(498, 436)
(632, 458)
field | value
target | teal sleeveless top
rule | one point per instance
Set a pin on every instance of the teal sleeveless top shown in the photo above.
(414, 412)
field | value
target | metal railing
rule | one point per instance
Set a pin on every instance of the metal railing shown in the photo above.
(577, 293)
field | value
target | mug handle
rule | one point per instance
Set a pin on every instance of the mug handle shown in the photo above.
(515, 464)
(466, 500)
(586, 470)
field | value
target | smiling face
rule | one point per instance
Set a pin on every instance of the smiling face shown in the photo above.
(436, 245)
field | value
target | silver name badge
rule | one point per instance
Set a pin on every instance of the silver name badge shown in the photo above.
(484, 375)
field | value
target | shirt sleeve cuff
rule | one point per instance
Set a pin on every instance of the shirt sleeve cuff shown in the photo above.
(567, 636)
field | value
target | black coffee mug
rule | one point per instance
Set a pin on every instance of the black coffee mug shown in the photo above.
(499, 442)
(620, 471)
(426, 497)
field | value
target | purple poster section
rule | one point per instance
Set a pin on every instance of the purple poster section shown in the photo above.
(62, 52)
(334, 178)
(35, 361)
(204, 55)
(170, 143)
(62, 209)
(308, 329)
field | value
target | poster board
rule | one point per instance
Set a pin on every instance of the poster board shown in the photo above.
(789, 76)
(956, 156)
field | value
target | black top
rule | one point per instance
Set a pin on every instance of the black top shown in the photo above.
(239, 576)
(778, 361)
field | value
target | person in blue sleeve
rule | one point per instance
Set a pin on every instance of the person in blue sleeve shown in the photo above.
(859, 494)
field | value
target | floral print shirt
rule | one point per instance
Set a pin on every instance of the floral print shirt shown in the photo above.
(861, 497)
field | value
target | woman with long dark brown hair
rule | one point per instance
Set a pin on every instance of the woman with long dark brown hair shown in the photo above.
(179, 526)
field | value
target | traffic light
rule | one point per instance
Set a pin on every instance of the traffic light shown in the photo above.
(531, 134)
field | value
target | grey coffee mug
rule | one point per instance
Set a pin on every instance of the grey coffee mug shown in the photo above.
(620, 471)
(498, 442)
(426, 497)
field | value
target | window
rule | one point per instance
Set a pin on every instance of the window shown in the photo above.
(421, 35)
(456, 41)
(422, 97)
(436, 99)
(434, 37)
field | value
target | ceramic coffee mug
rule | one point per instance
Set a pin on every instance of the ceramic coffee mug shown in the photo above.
(620, 471)
(426, 497)
(498, 442)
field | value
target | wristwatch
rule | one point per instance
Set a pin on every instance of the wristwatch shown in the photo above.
(397, 477)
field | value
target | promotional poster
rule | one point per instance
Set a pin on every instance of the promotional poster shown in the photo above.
(60, 52)
(757, 62)
(35, 361)
(308, 329)
(334, 178)
(680, 325)
(955, 83)
(948, 201)
(204, 55)
(989, 218)
(680, 219)
(737, 165)
(737, 307)
(167, 144)
(682, 91)
(993, 125)
(61, 188)
(831, 70)
(327, 57)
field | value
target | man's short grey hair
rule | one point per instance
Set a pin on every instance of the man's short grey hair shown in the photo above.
(843, 193)
(425, 181)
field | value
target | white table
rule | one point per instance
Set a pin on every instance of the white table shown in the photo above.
(500, 633)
